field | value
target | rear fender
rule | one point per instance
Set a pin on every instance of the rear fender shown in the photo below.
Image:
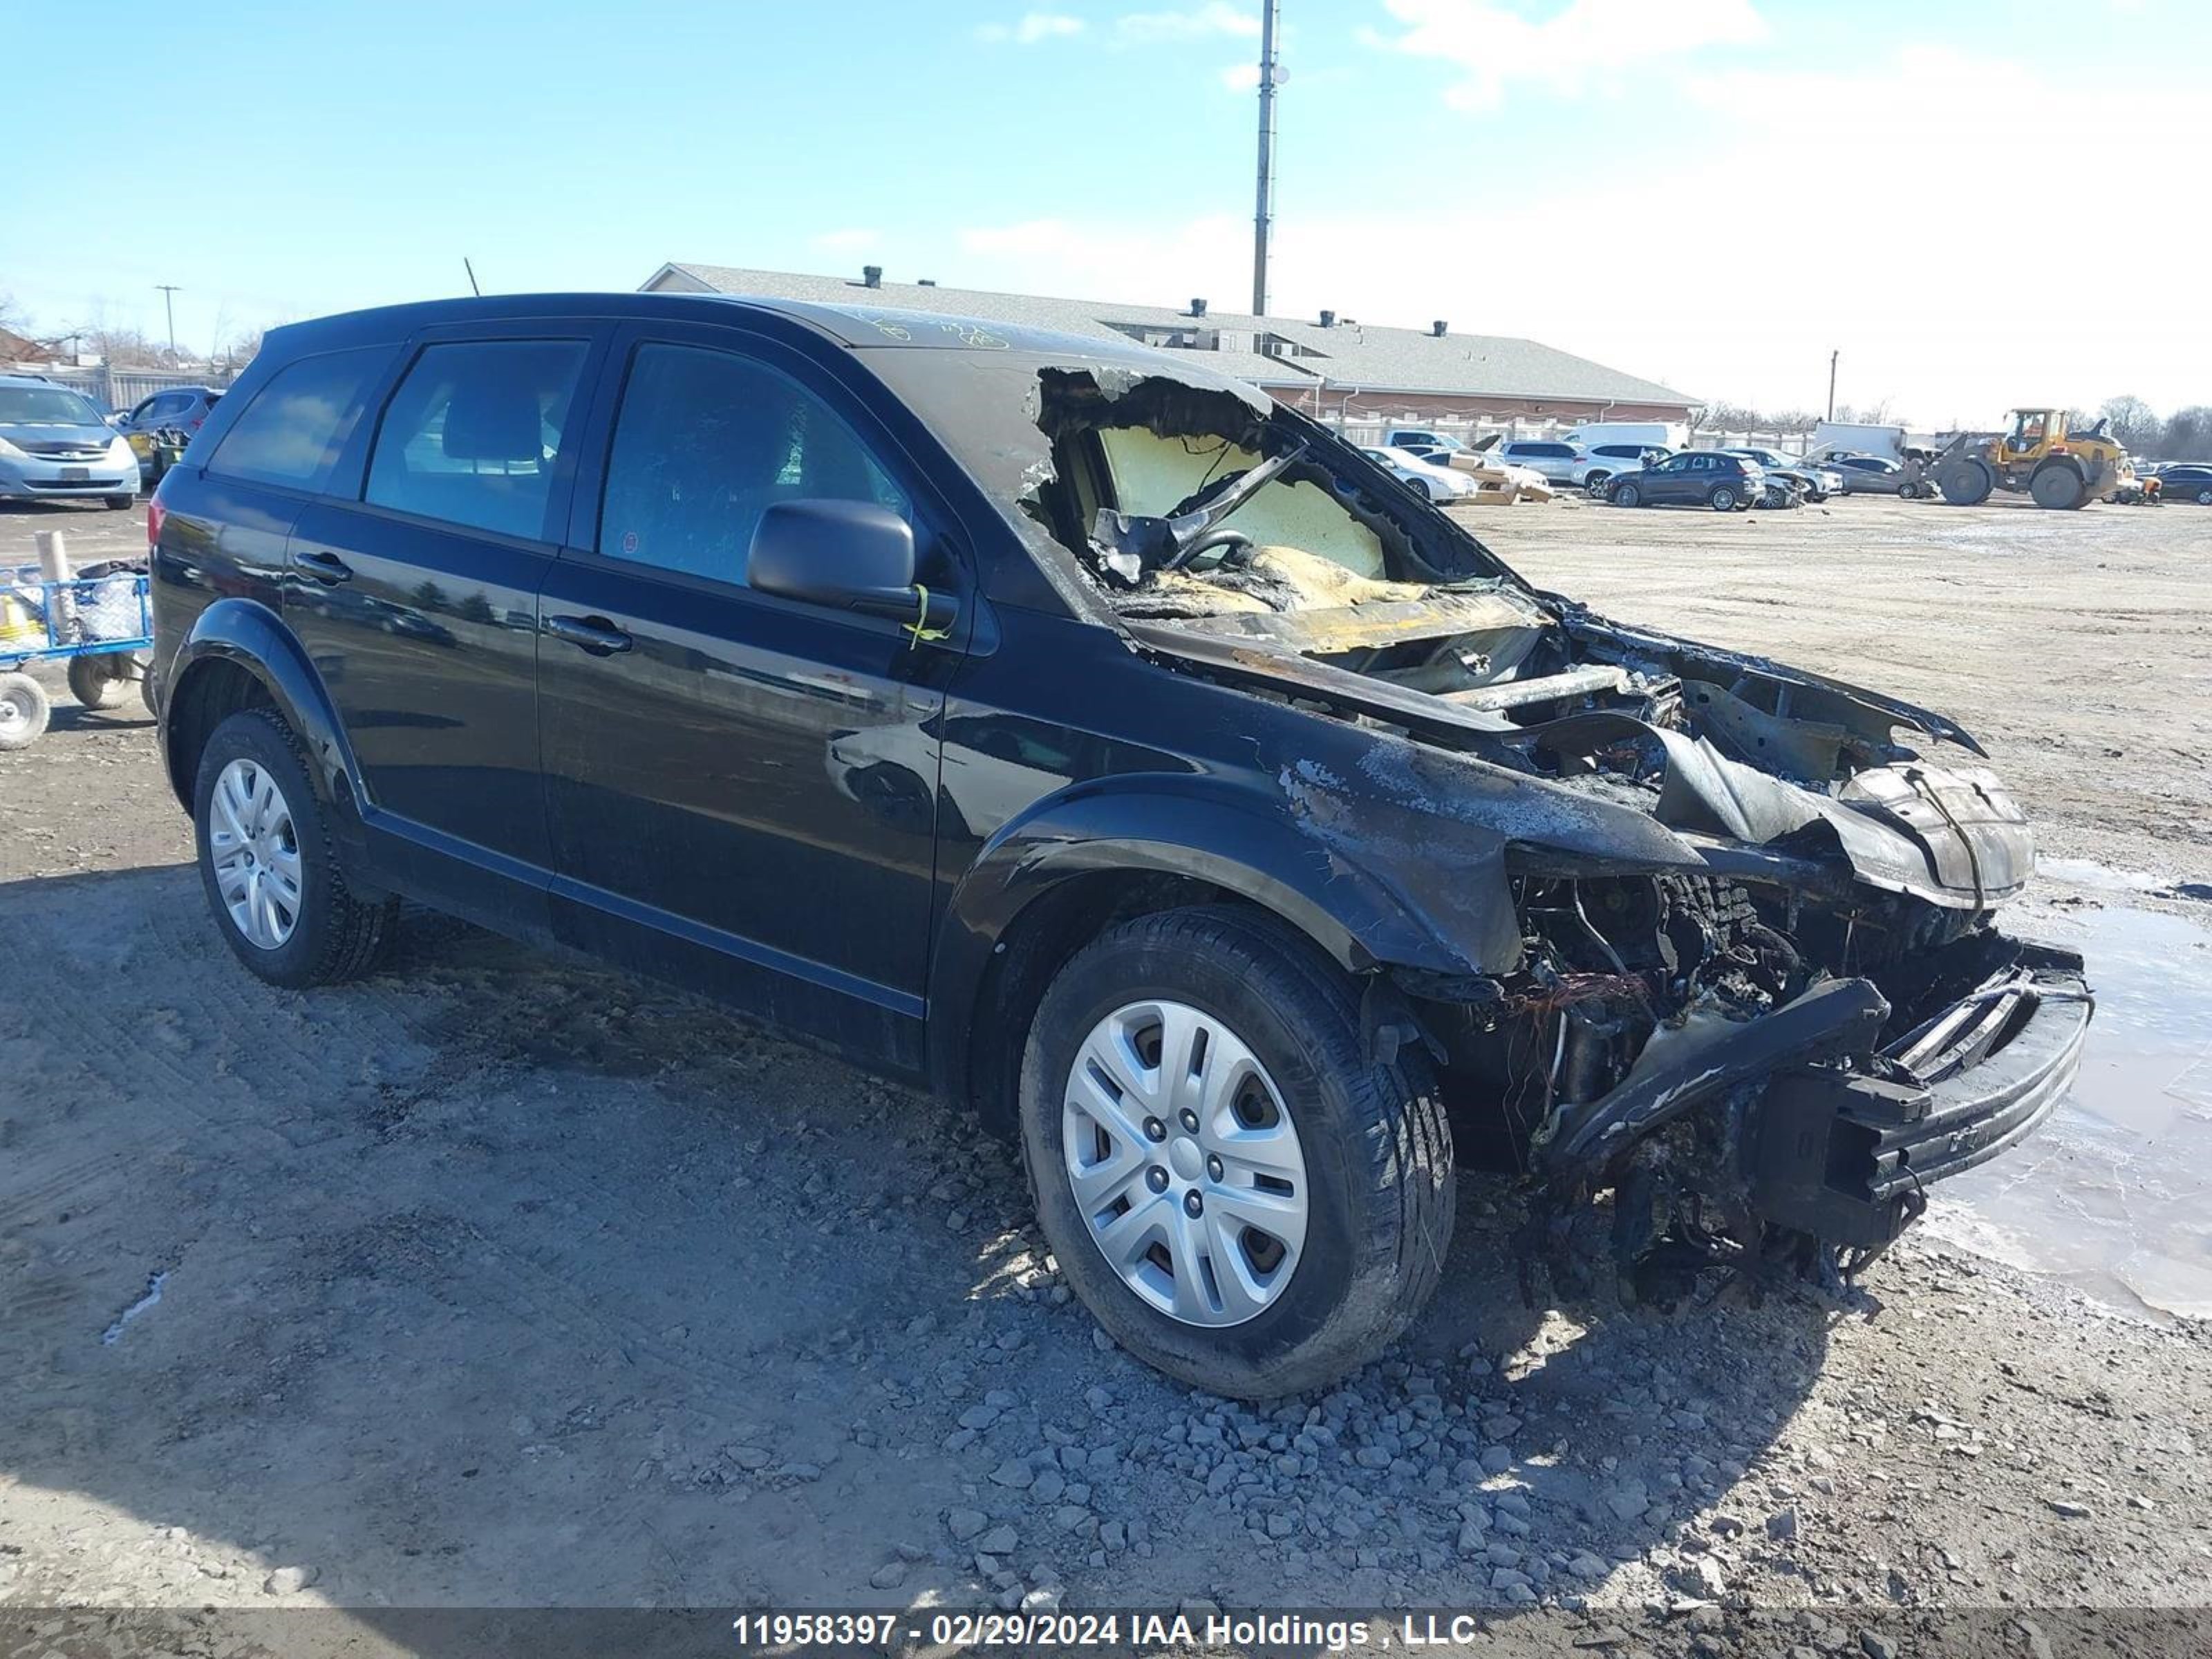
(250, 635)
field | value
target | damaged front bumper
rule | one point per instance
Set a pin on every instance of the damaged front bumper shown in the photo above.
(1848, 1155)
(1830, 1117)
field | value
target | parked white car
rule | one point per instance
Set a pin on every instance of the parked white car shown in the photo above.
(1553, 457)
(1442, 483)
(1818, 481)
(1599, 464)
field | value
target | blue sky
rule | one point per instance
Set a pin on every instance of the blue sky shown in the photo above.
(1712, 192)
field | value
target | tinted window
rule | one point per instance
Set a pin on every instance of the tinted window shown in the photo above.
(705, 442)
(293, 431)
(1620, 451)
(473, 432)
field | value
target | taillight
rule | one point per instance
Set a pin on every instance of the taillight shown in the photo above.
(155, 512)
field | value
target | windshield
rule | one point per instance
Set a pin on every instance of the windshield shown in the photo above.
(1057, 442)
(47, 406)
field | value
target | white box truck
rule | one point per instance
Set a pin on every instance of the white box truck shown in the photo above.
(1831, 436)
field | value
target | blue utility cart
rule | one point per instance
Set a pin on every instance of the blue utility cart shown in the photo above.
(101, 625)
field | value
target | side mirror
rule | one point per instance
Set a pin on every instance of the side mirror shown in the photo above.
(845, 555)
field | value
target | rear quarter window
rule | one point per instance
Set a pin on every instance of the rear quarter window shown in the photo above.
(294, 431)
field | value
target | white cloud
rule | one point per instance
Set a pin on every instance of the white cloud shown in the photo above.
(1241, 77)
(854, 241)
(1210, 21)
(1032, 28)
(1857, 209)
(1578, 44)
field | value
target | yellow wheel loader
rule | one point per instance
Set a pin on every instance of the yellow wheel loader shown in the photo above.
(2041, 453)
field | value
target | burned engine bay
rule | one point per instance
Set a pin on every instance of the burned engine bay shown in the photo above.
(1756, 996)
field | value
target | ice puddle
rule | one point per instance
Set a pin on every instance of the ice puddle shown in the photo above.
(2114, 1194)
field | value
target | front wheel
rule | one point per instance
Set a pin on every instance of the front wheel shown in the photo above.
(1240, 1197)
(24, 710)
(121, 503)
(271, 875)
(1627, 495)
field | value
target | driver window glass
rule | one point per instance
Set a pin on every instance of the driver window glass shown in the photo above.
(705, 442)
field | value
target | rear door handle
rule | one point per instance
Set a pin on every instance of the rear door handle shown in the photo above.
(594, 633)
(324, 566)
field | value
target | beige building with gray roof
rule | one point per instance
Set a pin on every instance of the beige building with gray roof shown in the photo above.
(1330, 365)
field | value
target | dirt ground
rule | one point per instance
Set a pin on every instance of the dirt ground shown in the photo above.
(502, 1280)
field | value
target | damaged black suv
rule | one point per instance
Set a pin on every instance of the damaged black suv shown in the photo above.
(1069, 729)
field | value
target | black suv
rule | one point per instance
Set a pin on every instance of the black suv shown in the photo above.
(1066, 726)
(1696, 477)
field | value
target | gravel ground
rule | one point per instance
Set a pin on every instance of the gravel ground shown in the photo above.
(502, 1280)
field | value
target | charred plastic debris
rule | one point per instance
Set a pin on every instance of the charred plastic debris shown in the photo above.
(1732, 957)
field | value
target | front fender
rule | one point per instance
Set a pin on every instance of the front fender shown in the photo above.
(1247, 842)
(248, 634)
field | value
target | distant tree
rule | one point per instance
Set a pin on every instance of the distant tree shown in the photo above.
(2187, 436)
(2133, 422)
(12, 317)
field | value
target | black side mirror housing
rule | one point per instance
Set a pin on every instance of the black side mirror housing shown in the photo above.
(845, 555)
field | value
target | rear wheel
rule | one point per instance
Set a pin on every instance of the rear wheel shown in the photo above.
(93, 682)
(1236, 1192)
(1722, 500)
(24, 710)
(1627, 495)
(2057, 488)
(2204, 498)
(266, 860)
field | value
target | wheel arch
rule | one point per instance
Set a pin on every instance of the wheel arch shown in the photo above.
(241, 655)
(1037, 897)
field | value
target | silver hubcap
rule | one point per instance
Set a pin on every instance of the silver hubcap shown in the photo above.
(14, 714)
(256, 853)
(1185, 1163)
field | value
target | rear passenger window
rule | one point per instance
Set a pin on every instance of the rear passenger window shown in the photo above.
(705, 442)
(472, 434)
(295, 429)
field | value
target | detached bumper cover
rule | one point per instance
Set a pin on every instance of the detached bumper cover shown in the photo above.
(1849, 1156)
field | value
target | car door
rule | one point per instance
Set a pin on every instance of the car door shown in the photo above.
(1670, 481)
(741, 788)
(415, 596)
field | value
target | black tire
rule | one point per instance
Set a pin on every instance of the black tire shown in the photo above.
(91, 684)
(1777, 496)
(24, 711)
(121, 503)
(1724, 499)
(2058, 488)
(1376, 1143)
(1626, 494)
(1965, 484)
(2204, 498)
(1599, 484)
(336, 936)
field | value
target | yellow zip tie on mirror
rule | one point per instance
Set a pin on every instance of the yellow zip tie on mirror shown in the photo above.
(920, 628)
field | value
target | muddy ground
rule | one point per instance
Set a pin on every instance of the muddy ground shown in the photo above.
(502, 1280)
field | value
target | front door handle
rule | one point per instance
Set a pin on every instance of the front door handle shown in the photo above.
(324, 566)
(594, 633)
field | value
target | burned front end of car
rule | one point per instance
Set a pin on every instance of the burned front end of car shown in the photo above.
(1715, 935)
(1761, 1077)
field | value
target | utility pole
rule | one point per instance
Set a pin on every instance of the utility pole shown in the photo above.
(1263, 213)
(169, 304)
(1831, 383)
